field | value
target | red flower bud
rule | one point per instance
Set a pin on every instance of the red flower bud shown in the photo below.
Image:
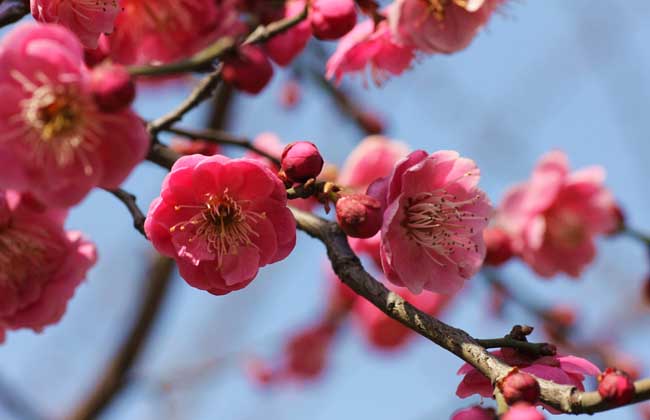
(519, 386)
(301, 161)
(112, 87)
(290, 94)
(498, 246)
(615, 386)
(249, 70)
(331, 19)
(522, 411)
(359, 215)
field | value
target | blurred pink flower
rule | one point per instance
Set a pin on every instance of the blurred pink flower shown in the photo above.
(286, 46)
(306, 353)
(439, 26)
(88, 19)
(55, 142)
(249, 70)
(331, 19)
(168, 30)
(221, 219)
(523, 411)
(474, 413)
(566, 370)
(41, 265)
(432, 237)
(554, 216)
(369, 45)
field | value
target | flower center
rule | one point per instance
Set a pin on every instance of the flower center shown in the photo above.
(438, 7)
(437, 221)
(56, 129)
(223, 223)
(565, 229)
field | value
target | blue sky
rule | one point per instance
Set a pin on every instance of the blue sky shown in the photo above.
(554, 74)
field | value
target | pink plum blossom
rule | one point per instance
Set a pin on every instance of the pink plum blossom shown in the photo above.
(55, 141)
(523, 411)
(553, 217)
(331, 19)
(432, 236)
(41, 265)
(168, 30)
(306, 353)
(566, 370)
(474, 413)
(221, 219)
(88, 19)
(369, 46)
(439, 26)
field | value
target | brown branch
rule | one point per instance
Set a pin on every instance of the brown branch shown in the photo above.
(222, 137)
(116, 373)
(12, 11)
(129, 201)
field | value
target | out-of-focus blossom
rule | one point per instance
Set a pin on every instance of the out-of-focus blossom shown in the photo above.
(112, 87)
(523, 411)
(290, 94)
(566, 370)
(41, 265)
(306, 352)
(88, 19)
(439, 26)
(286, 46)
(369, 46)
(474, 413)
(193, 147)
(498, 246)
(432, 237)
(331, 19)
(55, 141)
(168, 30)
(221, 219)
(248, 70)
(554, 217)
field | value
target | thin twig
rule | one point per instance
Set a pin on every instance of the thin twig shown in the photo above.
(129, 201)
(222, 137)
(115, 375)
(218, 49)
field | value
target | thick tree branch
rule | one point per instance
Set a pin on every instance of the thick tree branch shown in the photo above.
(116, 373)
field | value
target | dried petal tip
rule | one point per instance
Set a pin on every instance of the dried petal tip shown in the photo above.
(519, 386)
(474, 413)
(112, 87)
(359, 215)
(615, 386)
(498, 246)
(301, 161)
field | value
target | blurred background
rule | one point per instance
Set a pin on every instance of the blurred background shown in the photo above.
(572, 75)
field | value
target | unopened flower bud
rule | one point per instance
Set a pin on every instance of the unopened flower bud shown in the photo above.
(112, 87)
(301, 161)
(619, 218)
(498, 246)
(474, 413)
(290, 94)
(249, 71)
(359, 215)
(519, 386)
(615, 386)
(331, 19)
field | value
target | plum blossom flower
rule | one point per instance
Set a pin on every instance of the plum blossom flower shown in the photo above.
(523, 411)
(221, 219)
(88, 19)
(566, 370)
(439, 26)
(432, 236)
(554, 216)
(41, 265)
(55, 141)
(369, 46)
(474, 413)
(168, 30)
(286, 46)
